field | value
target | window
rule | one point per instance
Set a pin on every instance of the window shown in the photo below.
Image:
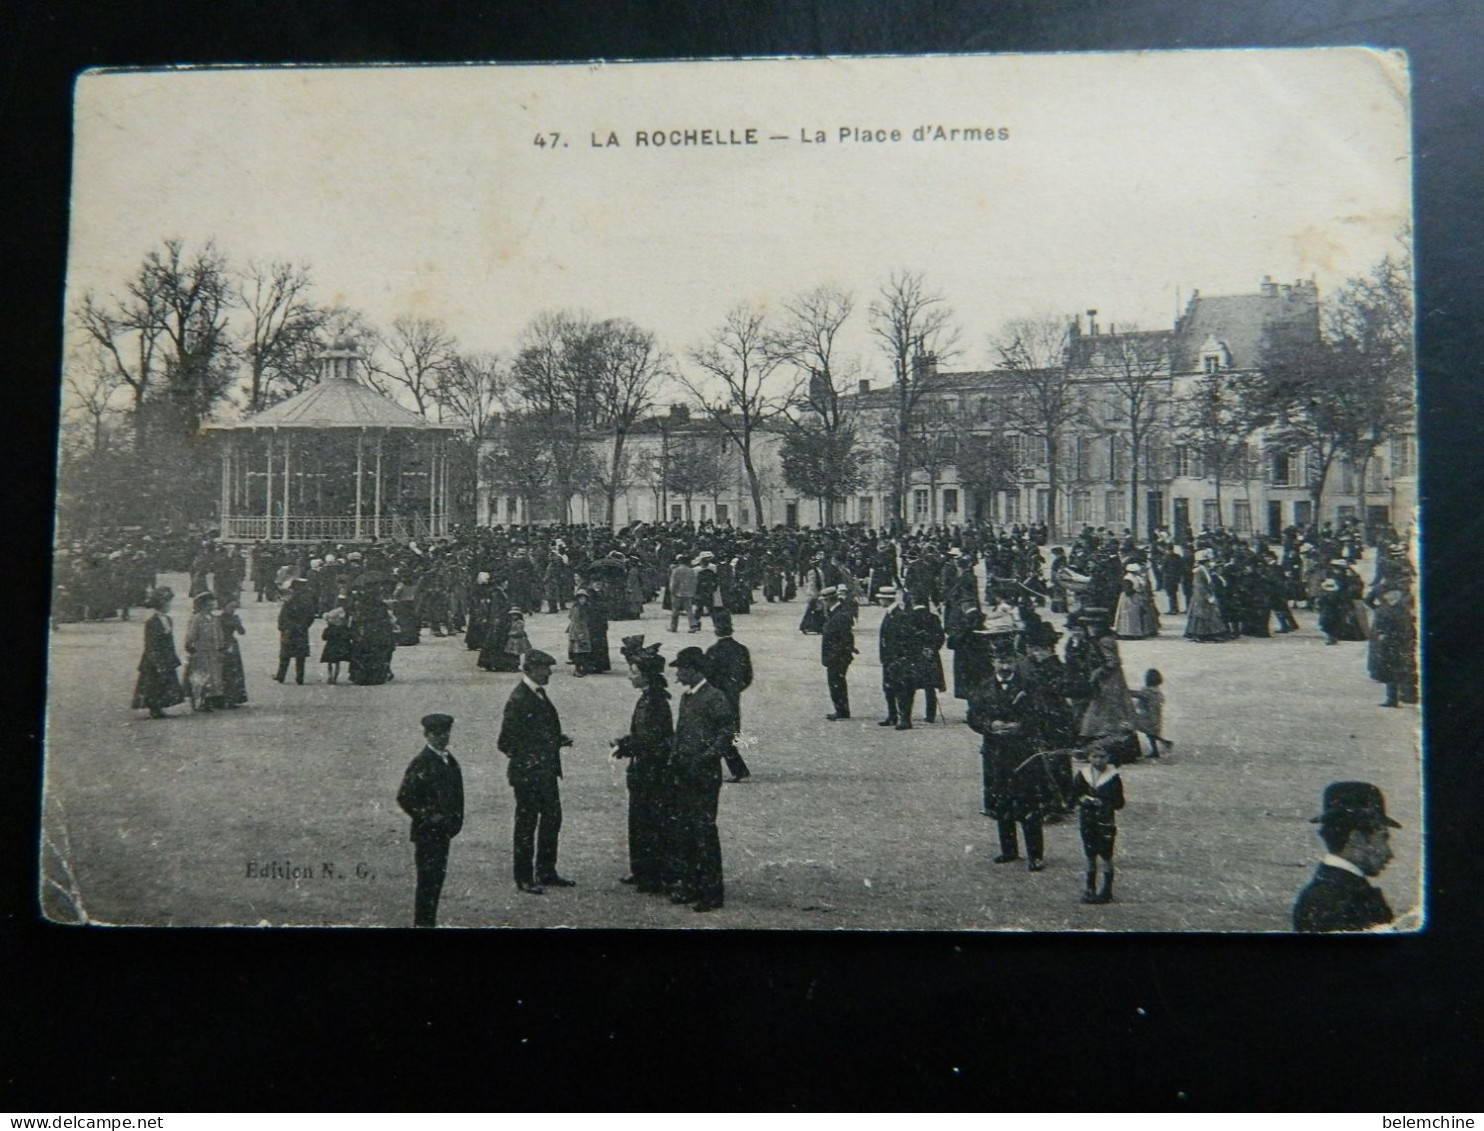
(1374, 474)
(1403, 455)
(512, 509)
(1285, 469)
(866, 511)
(920, 506)
(1083, 469)
(1211, 363)
(1043, 503)
(1345, 512)
(1155, 456)
(1347, 477)
(1184, 462)
(703, 512)
(1115, 508)
(744, 515)
(1210, 514)
(981, 410)
(950, 503)
(1019, 449)
(1082, 507)
(1115, 457)
(722, 512)
(677, 512)
(1012, 506)
(1242, 516)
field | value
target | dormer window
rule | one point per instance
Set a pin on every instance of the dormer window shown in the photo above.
(1211, 363)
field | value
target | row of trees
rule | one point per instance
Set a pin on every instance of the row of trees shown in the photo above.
(192, 335)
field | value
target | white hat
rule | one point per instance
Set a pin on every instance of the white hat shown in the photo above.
(1339, 562)
(1133, 567)
(1205, 555)
(481, 578)
(315, 563)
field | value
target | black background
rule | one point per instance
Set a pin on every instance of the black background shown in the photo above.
(192, 1020)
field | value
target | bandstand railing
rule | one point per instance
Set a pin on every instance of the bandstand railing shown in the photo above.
(322, 528)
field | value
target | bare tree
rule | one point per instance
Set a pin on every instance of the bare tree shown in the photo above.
(821, 456)
(914, 329)
(420, 352)
(92, 387)
(733, 388)
(630, 366)
(1215, 418)
(475, 390)
(1045, 397)
(280, 318)
(1135, 370)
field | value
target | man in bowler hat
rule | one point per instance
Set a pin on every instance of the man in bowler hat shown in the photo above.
(1355, 830)
(703, 735)
(730, 666)
(432, 794)
(531, 737)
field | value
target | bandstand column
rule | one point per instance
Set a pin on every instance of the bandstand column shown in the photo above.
(268, 502)
(360, 470)
(288, 460)
(226, 487)
(376, 520)
(432, 484)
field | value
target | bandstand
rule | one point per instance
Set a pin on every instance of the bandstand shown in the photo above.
(338, 462)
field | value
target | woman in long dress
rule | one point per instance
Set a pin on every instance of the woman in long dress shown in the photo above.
(1206, 620)
(582, 635)
(234, 676)
(158, 685)
(1136, 618)
(372, 638)
(203, 646)
(1110, 713)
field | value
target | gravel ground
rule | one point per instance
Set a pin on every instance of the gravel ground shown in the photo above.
(842, 825)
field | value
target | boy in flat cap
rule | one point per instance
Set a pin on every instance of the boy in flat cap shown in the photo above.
(531, 737)
(1355, 830)
(432, 794)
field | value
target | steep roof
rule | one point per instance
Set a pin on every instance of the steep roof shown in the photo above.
(1240, 322)
(337, 403)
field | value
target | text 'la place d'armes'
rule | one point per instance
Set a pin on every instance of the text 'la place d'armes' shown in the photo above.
(698, 137)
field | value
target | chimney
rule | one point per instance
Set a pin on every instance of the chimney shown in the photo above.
(680, 413)
(1269, 288)
(924, 366)
(1092, 323)
(864, 387)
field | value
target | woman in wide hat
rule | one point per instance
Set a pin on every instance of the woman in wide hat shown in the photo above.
(158, 685)
(647, 750)
(203, 646)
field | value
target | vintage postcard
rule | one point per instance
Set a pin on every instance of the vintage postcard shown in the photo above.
(945, 493)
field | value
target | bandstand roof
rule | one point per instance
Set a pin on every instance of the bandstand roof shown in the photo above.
(338, 402)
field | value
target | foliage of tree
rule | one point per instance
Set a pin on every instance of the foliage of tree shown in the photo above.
(1213, 419)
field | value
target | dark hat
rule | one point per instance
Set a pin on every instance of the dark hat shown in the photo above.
(648, 661)
(691, 657)
(437, 722)
(1042, 635)
(1091, 617)
(1356, 803)
(1002, 645)
(536, 658)
(159, 597)
(631, 646)
(721, 620)
(204, 599)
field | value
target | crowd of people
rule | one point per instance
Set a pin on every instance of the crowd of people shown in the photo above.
(1056, 721)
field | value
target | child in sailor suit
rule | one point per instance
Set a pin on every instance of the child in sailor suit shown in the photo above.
(1098, 791)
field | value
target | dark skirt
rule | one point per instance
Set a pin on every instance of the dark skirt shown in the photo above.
(157, 688)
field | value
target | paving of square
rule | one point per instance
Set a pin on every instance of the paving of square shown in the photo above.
(283, 812)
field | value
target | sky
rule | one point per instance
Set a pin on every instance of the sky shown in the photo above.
(1124, 181)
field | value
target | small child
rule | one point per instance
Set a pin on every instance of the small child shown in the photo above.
(1149, 712)
(1098, 790)
(517, 643)
(337, 642)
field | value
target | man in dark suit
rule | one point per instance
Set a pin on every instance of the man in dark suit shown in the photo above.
(703, 734)
(1007, 710)
(730, 666)
(1354, 827)
(531, 737)
(836, 651)
(432, 794)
